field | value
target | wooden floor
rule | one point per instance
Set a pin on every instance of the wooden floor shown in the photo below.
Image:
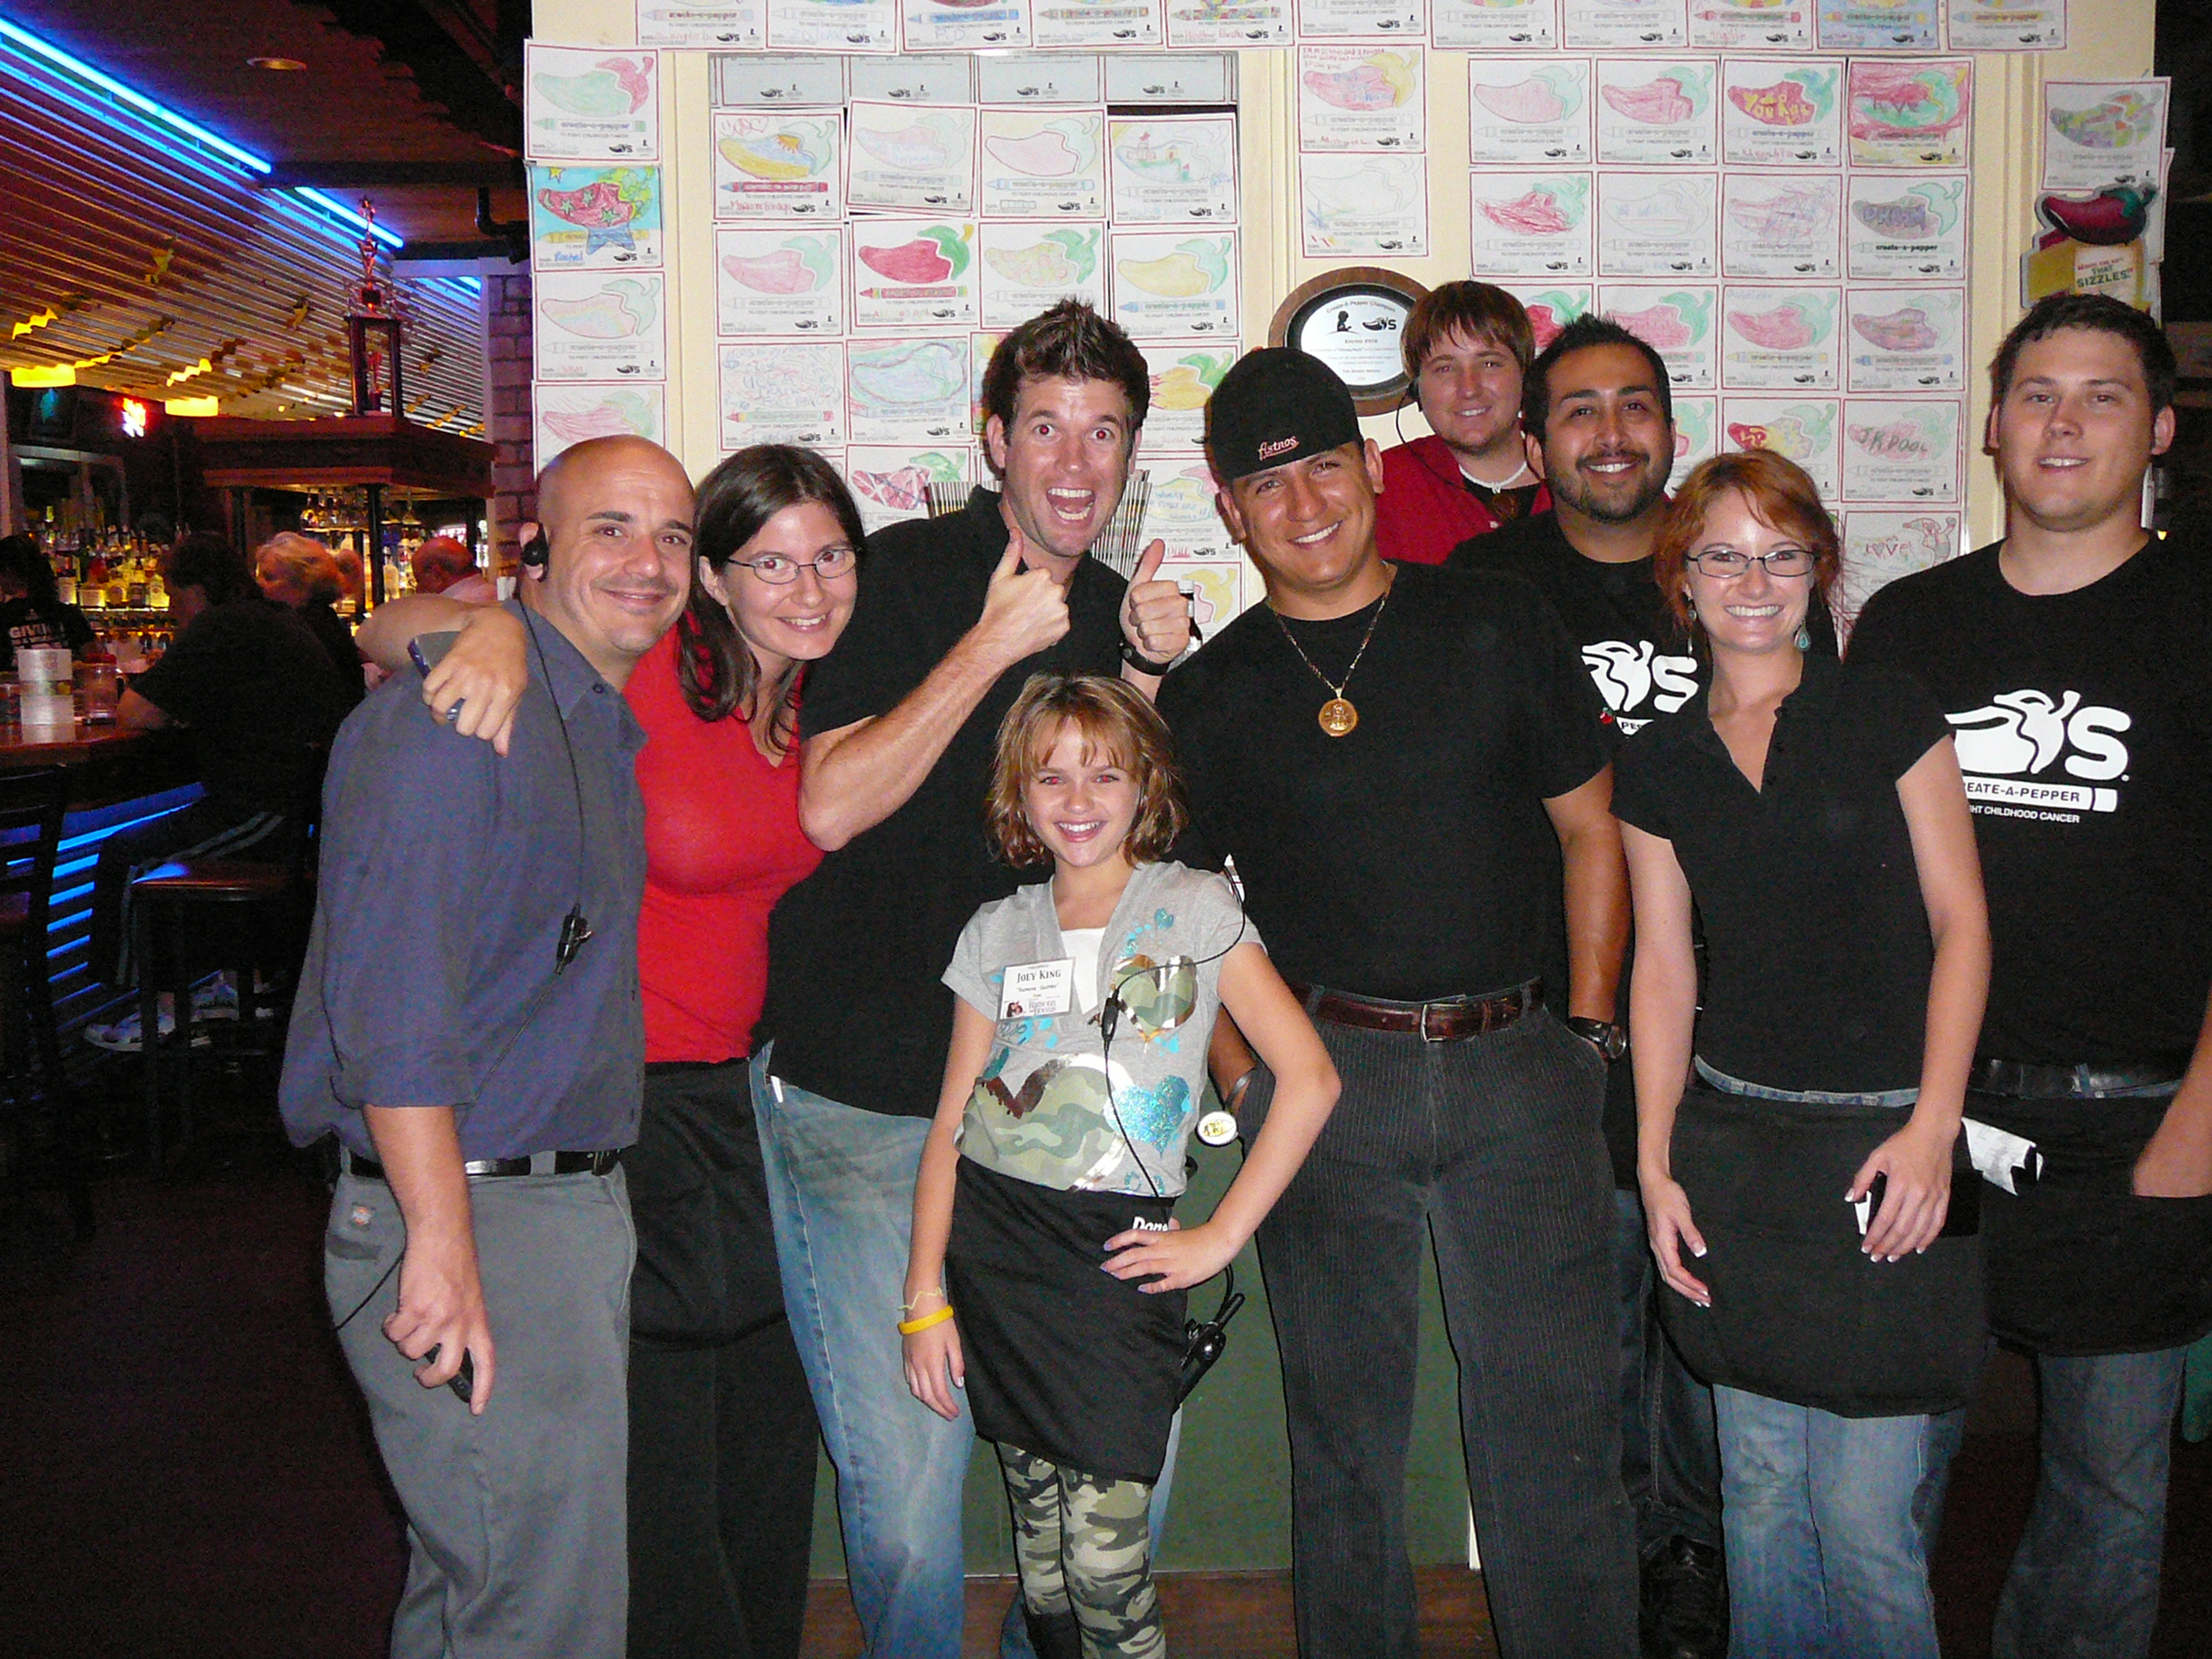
(1209, 1616)
(188, 1470)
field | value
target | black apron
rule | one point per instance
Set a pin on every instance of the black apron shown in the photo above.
(1799, 1314)
(1064, 1361)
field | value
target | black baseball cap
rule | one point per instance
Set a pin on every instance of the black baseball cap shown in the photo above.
(1273, 406)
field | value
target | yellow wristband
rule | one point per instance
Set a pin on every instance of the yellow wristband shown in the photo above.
(908, 1327)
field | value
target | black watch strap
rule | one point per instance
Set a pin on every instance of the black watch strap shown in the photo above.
(1609, 1039)
(1145, 665)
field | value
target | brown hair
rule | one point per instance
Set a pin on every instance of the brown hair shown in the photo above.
(1779, 496)
(713, 665)
(1069, 342)
(2099, 314)
(1110, 717)
(1478, 311)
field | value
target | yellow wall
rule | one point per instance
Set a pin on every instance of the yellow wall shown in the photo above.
(2111, 40)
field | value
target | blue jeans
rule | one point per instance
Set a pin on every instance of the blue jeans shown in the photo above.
(2084, 1583)
(840, 1193)
(1668, 1462)
(1824, 1545)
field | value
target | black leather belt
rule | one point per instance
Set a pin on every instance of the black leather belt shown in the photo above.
(543, 1163)
(2028, 1082)
(1445, 1021)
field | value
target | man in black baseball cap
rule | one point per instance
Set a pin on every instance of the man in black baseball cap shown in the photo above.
(1384, 750)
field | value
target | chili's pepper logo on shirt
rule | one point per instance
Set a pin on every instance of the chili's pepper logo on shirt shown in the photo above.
(2028, 755)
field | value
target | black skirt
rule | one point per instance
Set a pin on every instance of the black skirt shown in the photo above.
(1799, 1314)
(1063, 1360)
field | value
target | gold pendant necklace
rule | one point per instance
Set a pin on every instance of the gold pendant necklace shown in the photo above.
(1337, 716)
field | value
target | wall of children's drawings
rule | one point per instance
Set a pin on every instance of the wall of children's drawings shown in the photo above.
(808, 220)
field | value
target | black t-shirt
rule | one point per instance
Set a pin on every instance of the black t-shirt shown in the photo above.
(1818, 950)
(255, 688)
(25, 622)
(855, 1007)
(1394, 861)
(2084, 725)
(1615, 614)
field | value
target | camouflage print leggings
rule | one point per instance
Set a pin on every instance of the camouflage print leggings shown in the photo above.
(1081, 1543)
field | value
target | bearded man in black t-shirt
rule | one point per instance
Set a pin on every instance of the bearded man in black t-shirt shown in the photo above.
(1385, 751)
(2075, 661)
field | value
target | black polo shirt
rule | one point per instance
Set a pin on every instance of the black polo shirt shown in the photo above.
(855, 1007)
(1396, 861)
(1818, 948)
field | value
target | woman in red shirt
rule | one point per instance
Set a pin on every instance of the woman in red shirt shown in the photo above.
(722, 1431)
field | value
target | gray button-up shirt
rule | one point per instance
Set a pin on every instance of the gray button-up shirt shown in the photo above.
(446, 871)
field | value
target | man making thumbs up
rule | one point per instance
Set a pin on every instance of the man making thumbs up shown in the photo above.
(954, 615)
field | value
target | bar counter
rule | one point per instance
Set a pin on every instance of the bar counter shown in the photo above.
(116, 778)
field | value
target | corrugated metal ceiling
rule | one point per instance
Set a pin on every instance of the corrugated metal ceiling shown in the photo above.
(124, 240)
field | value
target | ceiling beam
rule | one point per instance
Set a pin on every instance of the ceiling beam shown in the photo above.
(449, 252)
(497, 171)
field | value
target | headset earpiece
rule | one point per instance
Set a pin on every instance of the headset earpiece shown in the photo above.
(535, 551)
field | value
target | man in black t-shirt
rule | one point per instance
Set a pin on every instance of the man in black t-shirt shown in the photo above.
(898, 723)
(1384, 750)
(2075, 661)
(262, 702)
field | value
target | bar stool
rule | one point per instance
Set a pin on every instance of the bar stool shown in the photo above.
(191, 918)
(31, 808)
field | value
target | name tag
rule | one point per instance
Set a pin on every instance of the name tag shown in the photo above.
(1038, 989)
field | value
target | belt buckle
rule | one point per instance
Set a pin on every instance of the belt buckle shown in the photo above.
(1425, 1036)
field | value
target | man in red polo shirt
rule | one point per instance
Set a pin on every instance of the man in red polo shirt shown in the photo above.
(1467, 345)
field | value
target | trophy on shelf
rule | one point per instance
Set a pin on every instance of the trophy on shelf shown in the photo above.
(373, 332)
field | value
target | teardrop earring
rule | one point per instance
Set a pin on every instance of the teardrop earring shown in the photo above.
(1802, 639)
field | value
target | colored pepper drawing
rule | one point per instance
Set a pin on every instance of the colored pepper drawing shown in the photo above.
(937, 255)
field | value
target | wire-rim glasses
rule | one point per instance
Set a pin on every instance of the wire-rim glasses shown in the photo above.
(781, 570)
(1727, 564)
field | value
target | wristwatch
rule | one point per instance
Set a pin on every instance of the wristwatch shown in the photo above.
(1145, 665)
(1609, 1039)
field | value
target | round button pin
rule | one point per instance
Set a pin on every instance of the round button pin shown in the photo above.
(1217, 1129)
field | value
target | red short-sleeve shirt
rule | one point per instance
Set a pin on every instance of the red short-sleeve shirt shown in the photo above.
(722, 845)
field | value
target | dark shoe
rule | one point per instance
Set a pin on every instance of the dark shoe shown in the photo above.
(1684, 1602)
(1055, 1636)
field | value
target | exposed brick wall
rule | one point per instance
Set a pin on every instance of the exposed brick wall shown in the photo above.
(507, 419)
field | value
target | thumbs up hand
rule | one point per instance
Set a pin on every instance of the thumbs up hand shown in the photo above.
(1155, 615)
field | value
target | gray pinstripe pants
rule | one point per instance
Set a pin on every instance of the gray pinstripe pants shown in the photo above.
(1491, 1144)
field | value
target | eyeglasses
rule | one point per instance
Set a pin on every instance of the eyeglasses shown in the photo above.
(778, 570)
(1727, 564)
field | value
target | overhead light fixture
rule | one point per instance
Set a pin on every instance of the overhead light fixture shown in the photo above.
(61, 374)
(275, 63)
(161, 112)
(192, 407)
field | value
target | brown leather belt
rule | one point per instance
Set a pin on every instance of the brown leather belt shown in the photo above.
(1446, 1020)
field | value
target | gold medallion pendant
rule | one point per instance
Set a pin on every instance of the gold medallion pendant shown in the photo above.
(1337, 717)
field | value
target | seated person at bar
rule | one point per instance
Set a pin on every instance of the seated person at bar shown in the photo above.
(443, 565)
(300, 572)
(1467, 346)
(31, 611)
(259, 693)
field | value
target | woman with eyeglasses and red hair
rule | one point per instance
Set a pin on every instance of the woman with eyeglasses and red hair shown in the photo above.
(1798, 1125)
